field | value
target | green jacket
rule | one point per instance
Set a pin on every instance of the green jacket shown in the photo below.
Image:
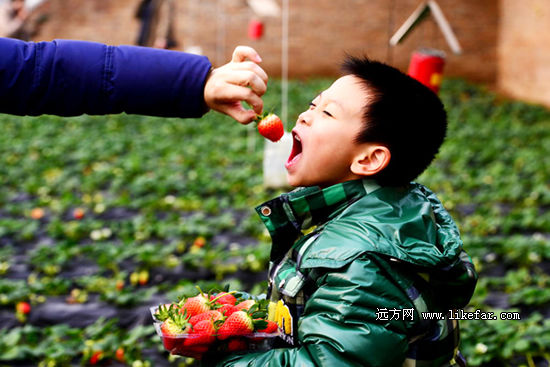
(354, 269)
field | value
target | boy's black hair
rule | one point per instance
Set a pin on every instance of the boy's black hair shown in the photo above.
(402, 114)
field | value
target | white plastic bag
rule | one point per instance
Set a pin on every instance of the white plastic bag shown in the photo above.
(275, 156)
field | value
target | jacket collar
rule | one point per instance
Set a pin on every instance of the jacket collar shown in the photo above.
(286, 216)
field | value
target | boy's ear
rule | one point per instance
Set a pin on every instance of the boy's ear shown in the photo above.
(371, 160)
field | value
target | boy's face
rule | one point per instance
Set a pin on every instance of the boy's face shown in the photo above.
(324, 136)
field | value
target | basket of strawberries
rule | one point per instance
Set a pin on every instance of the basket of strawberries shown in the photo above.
(217, 322)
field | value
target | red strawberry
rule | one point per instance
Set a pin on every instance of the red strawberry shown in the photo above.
(173, 327)
(96, 357)
(195, 351)
(119, 285)
(213, 315)
(23, 307)
(202, 303)
(271, 327)
(236, 344)
(78, 213)
(238, 323)
(245, 305)
(271, 127)
(224, 298)
(203, 333)
(119, 354)
(196, 305)
(227, 309)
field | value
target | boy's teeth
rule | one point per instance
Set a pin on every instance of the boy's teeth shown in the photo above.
(297, 137)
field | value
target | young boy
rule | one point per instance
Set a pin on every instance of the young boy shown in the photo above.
(361, 252)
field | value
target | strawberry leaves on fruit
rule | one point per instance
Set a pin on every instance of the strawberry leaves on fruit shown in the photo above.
(164, 311)
(176, 324)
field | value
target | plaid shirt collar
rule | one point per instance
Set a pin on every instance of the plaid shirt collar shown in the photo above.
(286, 216)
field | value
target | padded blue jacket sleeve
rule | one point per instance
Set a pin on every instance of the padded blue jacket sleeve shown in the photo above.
(70, 78)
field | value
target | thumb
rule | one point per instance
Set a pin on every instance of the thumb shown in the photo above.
(241, 53)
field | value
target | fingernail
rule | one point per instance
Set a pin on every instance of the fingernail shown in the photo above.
(258, 58)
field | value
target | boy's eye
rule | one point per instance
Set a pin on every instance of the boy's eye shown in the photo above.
(312, 106)
(327, 113)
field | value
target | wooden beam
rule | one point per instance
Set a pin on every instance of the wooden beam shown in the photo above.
(445, 27)
(418, 15)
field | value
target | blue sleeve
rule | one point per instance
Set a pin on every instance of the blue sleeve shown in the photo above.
(71, 78)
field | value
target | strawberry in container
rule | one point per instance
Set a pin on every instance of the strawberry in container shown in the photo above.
(219, 322)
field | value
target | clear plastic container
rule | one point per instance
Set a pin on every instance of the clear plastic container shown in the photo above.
(185, 344)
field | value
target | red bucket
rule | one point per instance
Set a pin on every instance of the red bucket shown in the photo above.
(255, 29)
(427, 67)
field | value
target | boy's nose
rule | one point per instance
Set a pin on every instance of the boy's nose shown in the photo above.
(304, 118)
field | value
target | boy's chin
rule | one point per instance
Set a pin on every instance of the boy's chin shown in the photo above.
(293, 180)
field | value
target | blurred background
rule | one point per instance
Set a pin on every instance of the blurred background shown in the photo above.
(102, 217)
(504, 42)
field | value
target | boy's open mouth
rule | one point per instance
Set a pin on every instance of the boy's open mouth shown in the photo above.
(296, 152)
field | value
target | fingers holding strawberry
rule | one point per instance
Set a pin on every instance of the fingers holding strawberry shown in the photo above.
(240, 80)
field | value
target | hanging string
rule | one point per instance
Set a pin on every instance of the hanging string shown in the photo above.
(284, 63)
(391, 19)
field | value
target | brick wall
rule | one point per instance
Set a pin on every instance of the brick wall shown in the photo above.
(320, 31)
(108, 21)
(523, 52)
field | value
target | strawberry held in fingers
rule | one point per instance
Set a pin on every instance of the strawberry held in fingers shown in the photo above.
(271, 127)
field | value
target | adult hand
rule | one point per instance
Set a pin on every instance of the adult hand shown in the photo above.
(239, 80)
